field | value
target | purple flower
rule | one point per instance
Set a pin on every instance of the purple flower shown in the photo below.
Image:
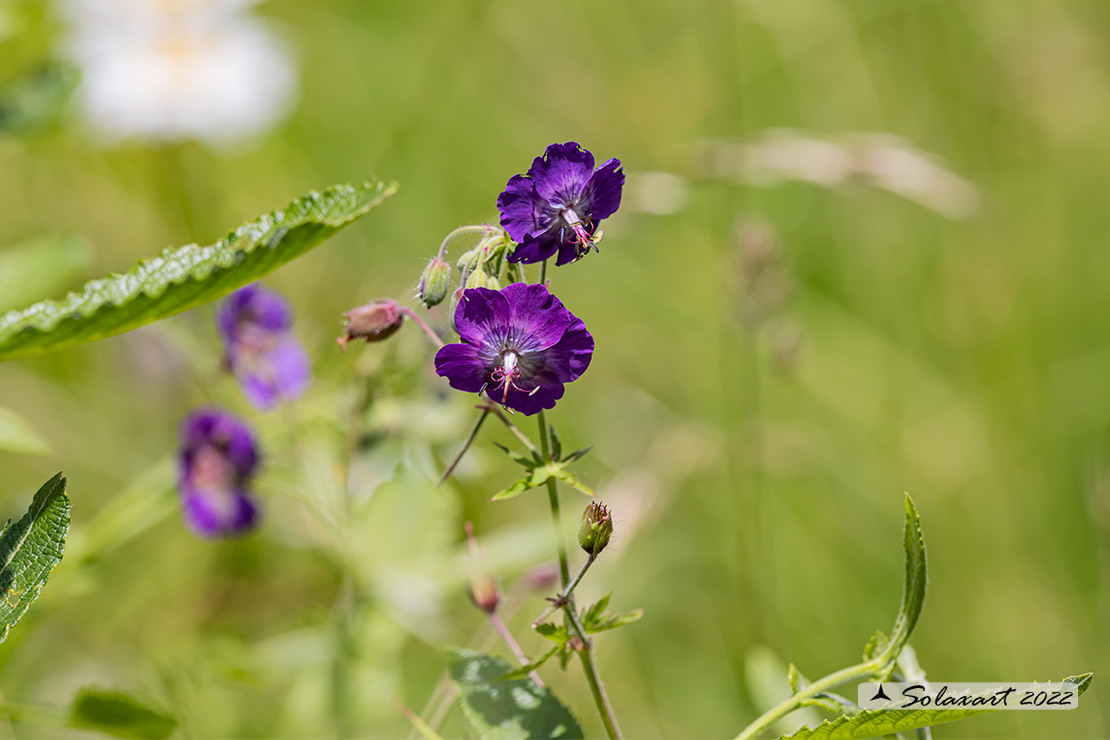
(519, 345)
(216, 462)
(559, 203)
(259, 346)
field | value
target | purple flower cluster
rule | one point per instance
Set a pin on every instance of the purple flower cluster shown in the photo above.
(520, 345)
(260, 349)
(217, 459)
(558, 205)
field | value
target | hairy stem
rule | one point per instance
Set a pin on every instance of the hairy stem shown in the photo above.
(586, 653)
(566, 593)
(484, 228)
(515, 430)
(866, 670)
(427, 329)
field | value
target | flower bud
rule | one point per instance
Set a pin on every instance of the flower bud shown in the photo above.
(434, 281)
(479, 279)
(469, 260)
(374, 321)
(456, 297)
(596, 529)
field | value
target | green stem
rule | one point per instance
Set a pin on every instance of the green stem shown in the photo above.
(514, 429)
(553, 499)
(458, 232)
(566, 593)
(870, 669)
(586, 653)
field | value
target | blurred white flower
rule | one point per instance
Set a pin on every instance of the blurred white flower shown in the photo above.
(177, 69)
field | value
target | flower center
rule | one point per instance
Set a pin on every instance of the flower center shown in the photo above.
(580, 236)
(506, 374)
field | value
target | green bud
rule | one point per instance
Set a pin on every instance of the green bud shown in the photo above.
(453, 306)
(469, 260)
(596, 529)
(434, 282)
(479, 279)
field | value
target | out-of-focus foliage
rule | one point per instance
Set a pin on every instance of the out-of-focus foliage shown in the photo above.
(933, 320)
(119, 715)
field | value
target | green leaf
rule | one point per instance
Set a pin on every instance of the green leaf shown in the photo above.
(795, 678)
(514, 490)
(593, 614)
(30, 549)
(119, 715)
(913, 590)
(33, 102)
(507, 710)
(524, 670)
(39, 267)
(572, 480)
(556, 633)
(526, 460)
(556, 444)
(619, 619)
(879, 722)
(185, 277)
(577, 455)
(16, 435)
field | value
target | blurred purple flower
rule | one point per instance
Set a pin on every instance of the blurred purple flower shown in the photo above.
(520, 345)
(218, 456)
(260, 349)
(559, 203)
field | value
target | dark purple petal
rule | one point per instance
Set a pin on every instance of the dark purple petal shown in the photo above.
(216, 461)
(605, 190)
(213, 427)
(253, 305)
(536, 249)
(568, 251)
(518, 204)
(562, 173)
(280, 374)
(462, 367)
(216, 514)
(537, 319)
(482, 316)
(568, 359)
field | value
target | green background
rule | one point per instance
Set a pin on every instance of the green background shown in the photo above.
(757, 491)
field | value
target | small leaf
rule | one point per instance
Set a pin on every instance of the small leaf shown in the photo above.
(913, 590)
(556, 444)
(16, 435)
(120, 715)
(577, 455)
(556, 633)
(526, 669)
(514, 490)
(507, 710)
(795, 678)
(182, 278)
(526, 460)
(30, 549)
(879, 722)
(593, 614)
(572, 480)
(612, 621)
(875, 645)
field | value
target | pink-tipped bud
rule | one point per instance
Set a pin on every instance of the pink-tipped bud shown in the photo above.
(374, 321)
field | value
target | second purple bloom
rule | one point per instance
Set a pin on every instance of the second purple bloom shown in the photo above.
(520, 346)
(260, 349)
